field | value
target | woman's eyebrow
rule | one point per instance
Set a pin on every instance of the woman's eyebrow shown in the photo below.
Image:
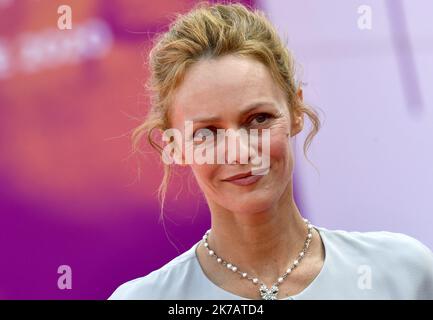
(247, 109)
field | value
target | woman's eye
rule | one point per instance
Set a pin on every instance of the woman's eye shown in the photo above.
(203, 132)
(261, 117)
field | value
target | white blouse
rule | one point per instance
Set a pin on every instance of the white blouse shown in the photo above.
(358, 265)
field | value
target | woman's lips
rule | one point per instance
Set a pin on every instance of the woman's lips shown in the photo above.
(246, 180)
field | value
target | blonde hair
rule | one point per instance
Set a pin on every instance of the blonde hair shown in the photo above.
(208, 31)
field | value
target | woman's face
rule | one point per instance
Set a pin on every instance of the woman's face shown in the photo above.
(233, 92)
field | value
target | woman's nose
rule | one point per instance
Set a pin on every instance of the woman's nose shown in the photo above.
(238, 148)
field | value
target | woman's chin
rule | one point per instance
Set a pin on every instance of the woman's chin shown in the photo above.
(249, 203)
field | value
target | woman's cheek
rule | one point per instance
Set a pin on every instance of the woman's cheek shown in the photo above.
(279, 143)
(205, 175)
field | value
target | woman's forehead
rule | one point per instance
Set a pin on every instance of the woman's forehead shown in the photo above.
(225, 84)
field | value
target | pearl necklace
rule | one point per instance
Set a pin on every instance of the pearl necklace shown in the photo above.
(271, 293)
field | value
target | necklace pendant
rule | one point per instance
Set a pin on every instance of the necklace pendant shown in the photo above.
(269, 294)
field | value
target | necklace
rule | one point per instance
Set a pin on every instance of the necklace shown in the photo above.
(265, 292)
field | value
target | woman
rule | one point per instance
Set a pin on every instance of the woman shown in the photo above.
(223, 67)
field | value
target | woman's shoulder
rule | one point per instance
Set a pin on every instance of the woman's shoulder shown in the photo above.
(156, 284)
(394, 250)
(377, 265)
(380, 241)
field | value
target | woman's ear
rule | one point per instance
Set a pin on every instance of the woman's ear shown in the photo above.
(172, 147)
(178, 156)
(300, 94)
(298, 116)
(298, 122)
(171, 154)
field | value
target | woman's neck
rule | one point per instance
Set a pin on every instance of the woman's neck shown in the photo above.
(262, 243)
